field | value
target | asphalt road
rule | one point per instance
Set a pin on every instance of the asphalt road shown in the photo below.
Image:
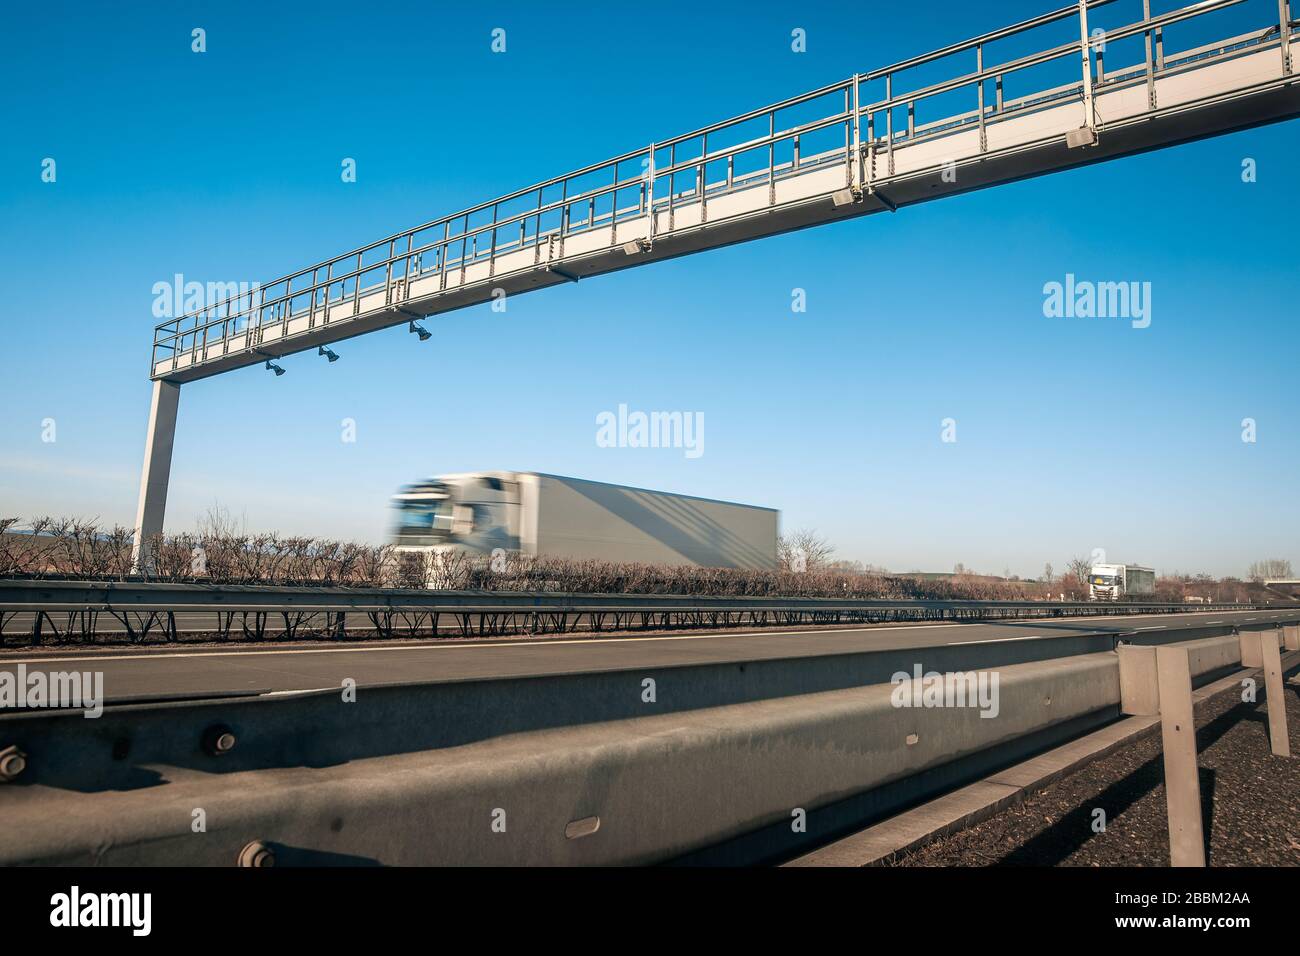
(184, 671)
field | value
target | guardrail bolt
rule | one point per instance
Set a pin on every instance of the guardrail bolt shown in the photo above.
(218, 740)
(12, 763)
(257, 853)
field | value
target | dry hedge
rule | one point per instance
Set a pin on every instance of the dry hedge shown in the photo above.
(82, 549)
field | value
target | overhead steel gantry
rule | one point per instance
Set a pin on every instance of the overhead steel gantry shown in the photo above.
(856, 147)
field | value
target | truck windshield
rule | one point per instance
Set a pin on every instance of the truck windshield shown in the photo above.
(423, 519)
(1103, 579)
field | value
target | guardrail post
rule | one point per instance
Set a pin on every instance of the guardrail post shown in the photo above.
(1262, 648)
(1139, 688)
(156, 473)
(1178, 741)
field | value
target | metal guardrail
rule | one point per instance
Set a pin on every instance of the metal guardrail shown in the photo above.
(849, 755)
(755, 148)
(67, 612)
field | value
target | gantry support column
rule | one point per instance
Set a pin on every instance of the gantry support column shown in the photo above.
(157, 471)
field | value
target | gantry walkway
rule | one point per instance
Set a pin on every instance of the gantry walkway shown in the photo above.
(826, 155)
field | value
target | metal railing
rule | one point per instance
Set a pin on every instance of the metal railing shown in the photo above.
(72, 612)
(653, 182)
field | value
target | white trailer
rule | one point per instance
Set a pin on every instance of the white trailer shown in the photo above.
(536, 514)
(1116, 582)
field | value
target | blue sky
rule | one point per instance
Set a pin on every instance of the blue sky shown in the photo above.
(1073, 434)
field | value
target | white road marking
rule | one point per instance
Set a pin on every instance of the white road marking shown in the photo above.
(283, 693)
(1160, 628)
(994, 640)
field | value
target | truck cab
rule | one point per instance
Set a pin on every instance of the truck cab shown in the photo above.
(1106, 582)
(473, 513)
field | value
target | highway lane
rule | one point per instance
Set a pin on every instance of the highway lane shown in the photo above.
(181, 671)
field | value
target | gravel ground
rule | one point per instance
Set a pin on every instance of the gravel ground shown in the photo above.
(1250, 800)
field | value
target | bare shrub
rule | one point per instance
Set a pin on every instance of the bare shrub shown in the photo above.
(173, 557)
(23, 553)
(372, 564)
(74, 547)
(803, 550)
(1079, 569)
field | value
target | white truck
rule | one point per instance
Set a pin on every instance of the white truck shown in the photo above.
(1118, 582)
(489, 512)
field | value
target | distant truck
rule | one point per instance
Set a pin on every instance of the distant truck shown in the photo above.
(482, 513)
(1119, 582)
